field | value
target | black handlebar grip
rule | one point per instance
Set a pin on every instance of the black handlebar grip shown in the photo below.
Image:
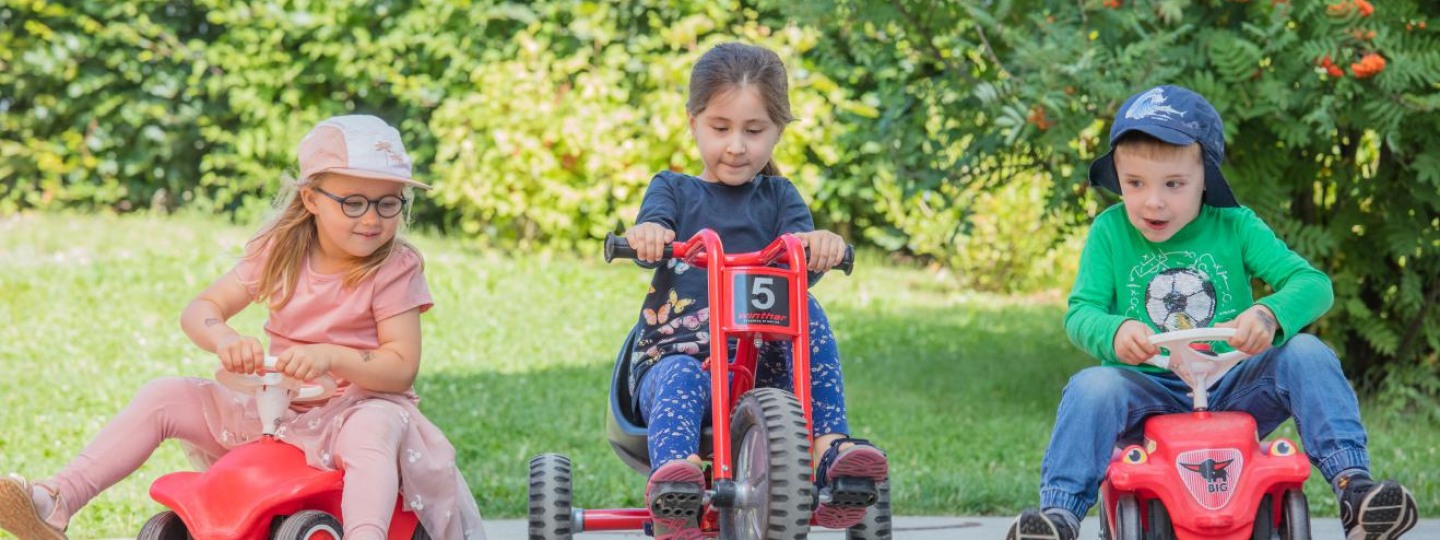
(847, 263)
(617, 247)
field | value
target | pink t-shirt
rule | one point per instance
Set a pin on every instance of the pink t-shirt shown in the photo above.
(324, 311)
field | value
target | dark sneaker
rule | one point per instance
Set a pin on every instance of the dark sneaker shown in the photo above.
(675, 494)
(1036, 525)
(845, 482)
(1372, 510)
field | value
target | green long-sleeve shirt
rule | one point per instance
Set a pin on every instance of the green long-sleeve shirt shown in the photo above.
(1197, 278)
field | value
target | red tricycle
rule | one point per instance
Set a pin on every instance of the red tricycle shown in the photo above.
(265, 489)
(1204, 474)
(760, 482)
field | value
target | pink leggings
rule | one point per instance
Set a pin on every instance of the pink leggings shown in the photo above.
(367, 449)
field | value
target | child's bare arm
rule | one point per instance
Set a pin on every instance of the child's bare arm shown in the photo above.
(203, 320)
(391, 367)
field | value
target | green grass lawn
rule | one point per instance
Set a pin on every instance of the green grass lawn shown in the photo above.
(959, 388)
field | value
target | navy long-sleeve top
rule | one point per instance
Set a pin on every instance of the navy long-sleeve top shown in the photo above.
(675, 316)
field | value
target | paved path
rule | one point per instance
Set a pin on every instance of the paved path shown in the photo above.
(953, 528)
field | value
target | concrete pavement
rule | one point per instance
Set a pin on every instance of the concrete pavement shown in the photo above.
(953, 528)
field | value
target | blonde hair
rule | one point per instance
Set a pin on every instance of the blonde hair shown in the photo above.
(1144, 145)
(288, 238)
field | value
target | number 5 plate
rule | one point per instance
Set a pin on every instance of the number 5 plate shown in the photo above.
(760, 299)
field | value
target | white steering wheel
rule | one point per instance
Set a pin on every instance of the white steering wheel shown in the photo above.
(319, 389)
(1196, 368)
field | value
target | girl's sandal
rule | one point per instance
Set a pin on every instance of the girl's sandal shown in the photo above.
(18, 514)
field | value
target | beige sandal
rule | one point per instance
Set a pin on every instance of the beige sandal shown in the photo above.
(18, 514)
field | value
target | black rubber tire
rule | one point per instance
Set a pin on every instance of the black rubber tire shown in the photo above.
(876, 525)
(1264, 526)
(164, 526)
(768, 424)
(1103, 506)
(1294, 516)
(1161, 527)
(551, 502)
(309, 524)
(1127, 519)
(420, 533)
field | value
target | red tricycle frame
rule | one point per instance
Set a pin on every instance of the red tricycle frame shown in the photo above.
(705, 250)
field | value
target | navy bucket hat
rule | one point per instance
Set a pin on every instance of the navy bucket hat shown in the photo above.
(1176, 116)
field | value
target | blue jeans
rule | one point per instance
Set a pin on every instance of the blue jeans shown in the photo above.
(675, 392)
(1104, 405)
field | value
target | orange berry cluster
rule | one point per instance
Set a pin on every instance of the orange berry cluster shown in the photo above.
(1363, 35)
(1368, 66)
(1344, 7)
(1037, 118)
(1112, 3)
(1330, 67)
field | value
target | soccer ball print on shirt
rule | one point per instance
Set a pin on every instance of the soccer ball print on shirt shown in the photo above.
(1178, 290)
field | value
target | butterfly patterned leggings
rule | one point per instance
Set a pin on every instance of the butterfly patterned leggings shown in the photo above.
(675, 392)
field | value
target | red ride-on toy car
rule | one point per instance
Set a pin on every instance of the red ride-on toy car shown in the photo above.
(759, 484)
(1204, 474)
(262, 490)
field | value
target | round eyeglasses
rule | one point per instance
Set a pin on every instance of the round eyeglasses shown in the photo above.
(355, 206)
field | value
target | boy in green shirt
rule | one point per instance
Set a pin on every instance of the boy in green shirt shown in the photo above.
(1179, 253)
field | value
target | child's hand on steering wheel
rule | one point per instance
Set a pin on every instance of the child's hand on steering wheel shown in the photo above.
(305, 362)
(1132, 342)
(827, 249)
(1254, 330)
(649, 241)
(241, 354)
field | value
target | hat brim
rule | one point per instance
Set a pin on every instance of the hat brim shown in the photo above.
(1217, 189)
(371, 175)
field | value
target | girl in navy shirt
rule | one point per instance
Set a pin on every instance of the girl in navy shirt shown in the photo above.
(738, 108)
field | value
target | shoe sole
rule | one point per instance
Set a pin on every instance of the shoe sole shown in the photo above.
(18, 514)
(1386, 513)
(851, 484)
(675, 496)
(1032, 526)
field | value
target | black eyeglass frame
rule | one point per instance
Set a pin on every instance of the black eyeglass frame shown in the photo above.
(356, 198)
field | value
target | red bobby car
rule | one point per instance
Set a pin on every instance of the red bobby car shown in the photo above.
(770, 428)
(1204, 474)
(265, 489)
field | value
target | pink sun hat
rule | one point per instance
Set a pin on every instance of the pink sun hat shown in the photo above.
(358, 145)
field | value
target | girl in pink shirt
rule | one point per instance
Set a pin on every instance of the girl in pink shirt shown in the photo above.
(344, 295)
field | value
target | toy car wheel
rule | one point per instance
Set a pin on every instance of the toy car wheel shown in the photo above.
(1127, 519)
(1295, 516)
(419, 533)
(1161, 528)
(164, 526)
(1264, 526)
(550, 498)
(309, 525)
(876, 525)
(770, 453)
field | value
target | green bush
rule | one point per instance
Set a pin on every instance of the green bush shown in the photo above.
(1338, 160)
(959, 132)
(558, 144)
